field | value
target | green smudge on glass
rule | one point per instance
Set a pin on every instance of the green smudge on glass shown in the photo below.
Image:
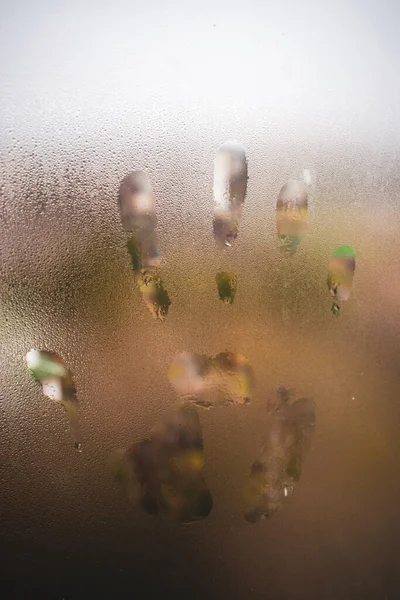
(226, 284)
(133, 246)
(45, 365)
(154, 293)
(345, 252)
(161, 298)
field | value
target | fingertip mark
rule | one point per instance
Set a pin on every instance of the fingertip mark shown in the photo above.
(137, 207)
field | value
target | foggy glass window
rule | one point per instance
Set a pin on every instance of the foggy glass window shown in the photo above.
(199, 292)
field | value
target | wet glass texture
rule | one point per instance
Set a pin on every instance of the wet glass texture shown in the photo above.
(199, 206)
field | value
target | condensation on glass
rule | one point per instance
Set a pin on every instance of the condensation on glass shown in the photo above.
(141, 102)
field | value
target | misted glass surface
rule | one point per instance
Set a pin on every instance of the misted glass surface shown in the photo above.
(199, 300)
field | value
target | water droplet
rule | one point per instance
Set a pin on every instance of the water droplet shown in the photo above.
(291, 215)
(226, 379)
(276, 471)
(57, 384)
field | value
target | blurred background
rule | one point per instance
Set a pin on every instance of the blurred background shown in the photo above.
(94, 90)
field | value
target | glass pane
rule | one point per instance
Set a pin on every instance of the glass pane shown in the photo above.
(250, 388)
